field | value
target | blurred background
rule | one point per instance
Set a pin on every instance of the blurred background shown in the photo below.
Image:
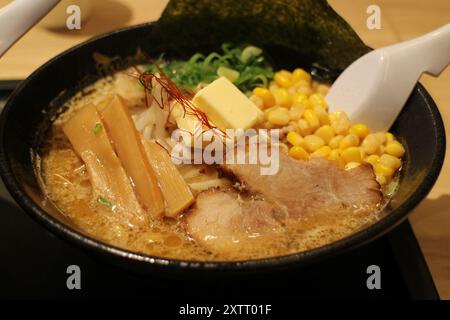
(400, 20)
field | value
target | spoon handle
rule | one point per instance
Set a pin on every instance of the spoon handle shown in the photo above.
(429, 53)
(18, 17)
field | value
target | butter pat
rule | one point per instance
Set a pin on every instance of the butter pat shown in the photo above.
(227, 106)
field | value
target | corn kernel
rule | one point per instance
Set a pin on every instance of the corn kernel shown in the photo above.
(383, 170)
(373, 159)
(317, 99)
(322, 152)
(389, 137)
(352, 154)
(311, 117)
(350, 140)
(303, 88)
(381, 136)
(351, 165)
(340, 122)
(361, 130)
(390, 161)
(284, 147)
(299, 98)
(296, 111)
(273, 87)
(326, 132)
(298, 153)
(334, 154)
(395, 148)
(283, 79)
(282, 97)
(371, 144)
(279, 116)
(381, 179)
(314, 142)
(322, 89)
(292, 125)
(303, 127)
(334, 142)
(300, 74)
(322, 114)
(295, 139)
(265, 95)
(257, 101)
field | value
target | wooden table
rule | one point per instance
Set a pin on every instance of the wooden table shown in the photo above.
(401, 20)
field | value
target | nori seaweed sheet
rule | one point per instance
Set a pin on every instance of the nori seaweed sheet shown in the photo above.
(309, 31)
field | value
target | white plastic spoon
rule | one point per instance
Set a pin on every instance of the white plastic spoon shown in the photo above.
(374, 89)
(18, 17)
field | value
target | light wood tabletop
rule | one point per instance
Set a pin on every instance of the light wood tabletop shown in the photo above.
(400, 20)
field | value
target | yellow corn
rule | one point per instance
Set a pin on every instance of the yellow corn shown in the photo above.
(335, 154)
(313, 142)
(373, 159)
(282, 97)
(284, 147)
(311, 117)
(322, 114)
(352, 154)
(340, 122)
(299, 98)
(371, 144)
(322, 89)
(351, 165)
(303, 127)
(273, 87)
(322, 152)
(395, 148)
(295, 139)
(257, 101)
(381, 179)
(299, 153)
(361, 130)
(326, 132)
(283, 79)
(303, 88)
(390, 161)
(389, 137)
(381, 136)
(317, 99)
(383, 170)
(279, 116)
(300, 74)
(296, 111)
(350, 140)
(265, 95)
(334, 142)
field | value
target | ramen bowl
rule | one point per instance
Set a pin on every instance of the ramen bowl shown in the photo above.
(34, 104)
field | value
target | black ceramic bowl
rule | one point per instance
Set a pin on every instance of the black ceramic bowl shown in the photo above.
(28, 113)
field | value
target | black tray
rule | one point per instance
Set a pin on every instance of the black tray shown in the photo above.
(34, 263)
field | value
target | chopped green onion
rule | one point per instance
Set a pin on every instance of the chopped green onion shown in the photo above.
(104, 202)
(97, 128)
(249, 52)
(228, 73)
(244, 66)
(391, 188)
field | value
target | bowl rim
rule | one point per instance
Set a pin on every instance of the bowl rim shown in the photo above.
(359, 238)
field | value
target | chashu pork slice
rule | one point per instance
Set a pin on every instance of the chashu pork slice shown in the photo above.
(225, 222)
(306, 187)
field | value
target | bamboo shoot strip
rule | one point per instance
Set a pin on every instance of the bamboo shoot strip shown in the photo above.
(127, 143)
(176, 191)
(109, 181)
